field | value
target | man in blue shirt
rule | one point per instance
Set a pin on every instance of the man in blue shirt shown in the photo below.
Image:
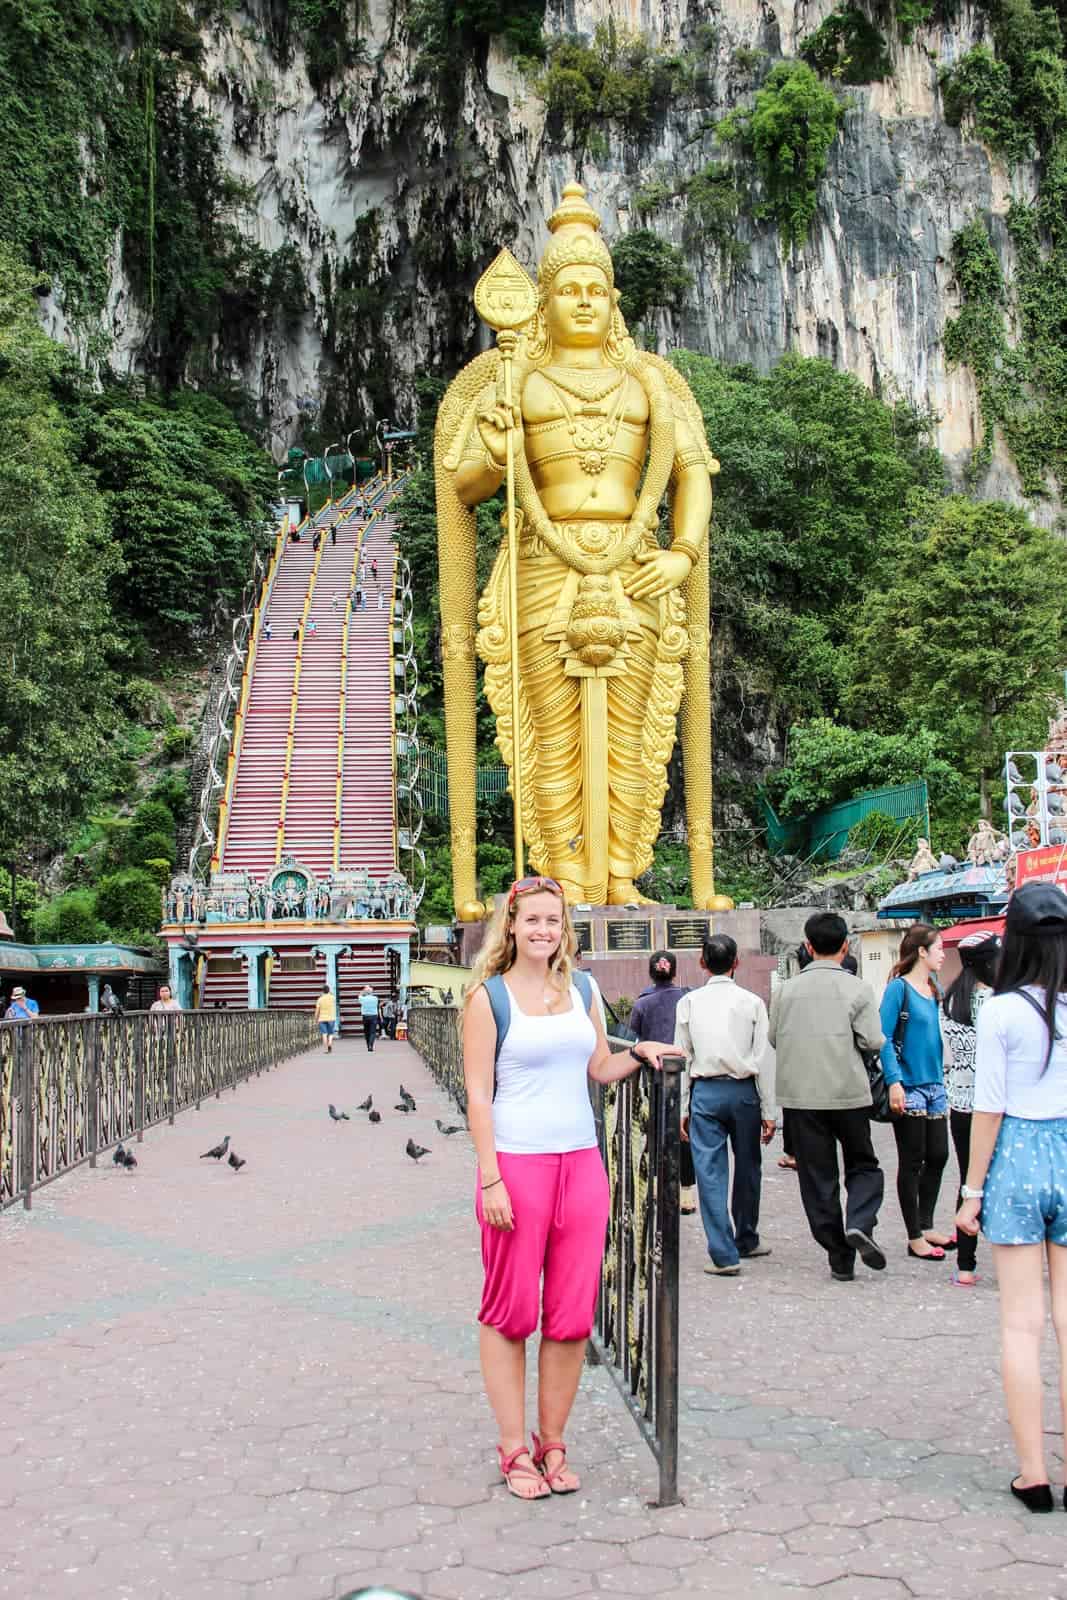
(368, 1010)
(22, 1008)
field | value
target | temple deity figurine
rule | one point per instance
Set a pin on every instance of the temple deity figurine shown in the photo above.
(922, 861)
(614, 620)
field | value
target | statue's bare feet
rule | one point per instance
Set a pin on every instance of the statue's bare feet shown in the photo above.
(623, 892)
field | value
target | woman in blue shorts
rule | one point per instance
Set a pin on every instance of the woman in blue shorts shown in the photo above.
(1017, 1174)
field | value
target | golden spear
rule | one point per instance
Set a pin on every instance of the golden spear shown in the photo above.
(506, 299)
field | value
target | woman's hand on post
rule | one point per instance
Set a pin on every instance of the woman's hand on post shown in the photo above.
(968, 1214)
(496, 1204)
(653, 1055)
(896, 1099)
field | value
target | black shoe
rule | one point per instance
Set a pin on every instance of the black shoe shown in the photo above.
(847, 1277)
(1038, 1497)
(866, 1249)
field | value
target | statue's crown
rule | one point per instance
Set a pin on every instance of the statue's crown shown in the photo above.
(575, 226)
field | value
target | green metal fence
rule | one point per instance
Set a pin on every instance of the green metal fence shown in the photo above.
(432, 782)
(824, 834)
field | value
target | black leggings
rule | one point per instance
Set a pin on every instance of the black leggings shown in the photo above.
(967, 1248)
(922, 1152)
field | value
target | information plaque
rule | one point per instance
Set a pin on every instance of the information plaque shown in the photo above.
(629, 935)
(583, 932)
(686, 933)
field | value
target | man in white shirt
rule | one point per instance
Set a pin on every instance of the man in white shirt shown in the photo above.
(727, 1100)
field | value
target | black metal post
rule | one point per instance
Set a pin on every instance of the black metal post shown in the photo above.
(172, 1068)
(93, 1097)
(24, 1077)
(667, 1224)
(138, 1075)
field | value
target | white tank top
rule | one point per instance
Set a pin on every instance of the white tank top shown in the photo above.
(542, 1104)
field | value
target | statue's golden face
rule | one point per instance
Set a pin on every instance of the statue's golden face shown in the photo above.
(578, 308)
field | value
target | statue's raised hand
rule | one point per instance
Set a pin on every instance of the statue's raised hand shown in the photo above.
(493, 427)
(660, 572)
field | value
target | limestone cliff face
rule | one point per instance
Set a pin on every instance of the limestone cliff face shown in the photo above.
(395, 205)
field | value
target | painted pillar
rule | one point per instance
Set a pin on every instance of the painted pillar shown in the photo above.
(181, 976)
(331, 954)
(93, 979)
(255, 955)
(403, 949)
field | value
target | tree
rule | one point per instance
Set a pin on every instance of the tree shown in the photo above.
(58, 644)
(128, 902)
(650, 274)
(967, 630)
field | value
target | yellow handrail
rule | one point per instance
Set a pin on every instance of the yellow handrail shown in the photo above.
(339, 796)
(294, 701)
(246, 687)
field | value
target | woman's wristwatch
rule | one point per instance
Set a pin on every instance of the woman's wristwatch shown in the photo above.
(971, 1194)
(638, 1056)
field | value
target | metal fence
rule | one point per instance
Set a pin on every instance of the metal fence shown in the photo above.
(635, 1335)
(73, 1086)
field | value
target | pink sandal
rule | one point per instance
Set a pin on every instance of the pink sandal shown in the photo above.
(540, 1451)
(509, 1470)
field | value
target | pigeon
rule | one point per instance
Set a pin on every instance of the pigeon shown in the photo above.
(441, 1128)
(236, 1161)
(338, 1116)
(403, 1106)
(119, 1158)
(405, 1095)
(415, 1151)
(375, 1116)
(366, 1104)
(219, 1151)
(129, 1160)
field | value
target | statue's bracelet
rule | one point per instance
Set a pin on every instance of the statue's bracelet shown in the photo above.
(679, 547)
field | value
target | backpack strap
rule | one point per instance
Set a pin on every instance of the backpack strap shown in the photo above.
(1057, 1036)
(584, 985)
(500, 1001)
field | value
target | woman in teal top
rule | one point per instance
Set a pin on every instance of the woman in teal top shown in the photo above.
(913, 1067)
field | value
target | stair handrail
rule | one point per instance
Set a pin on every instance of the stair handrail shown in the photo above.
(357, 556)
(294, 699)
(215, 727)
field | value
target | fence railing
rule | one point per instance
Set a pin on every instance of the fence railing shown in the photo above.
(73, 1086)
(635, 1335)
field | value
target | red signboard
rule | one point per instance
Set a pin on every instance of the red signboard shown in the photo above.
(1047, 864)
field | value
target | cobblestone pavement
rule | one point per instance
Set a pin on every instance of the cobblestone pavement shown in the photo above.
(265, 1385)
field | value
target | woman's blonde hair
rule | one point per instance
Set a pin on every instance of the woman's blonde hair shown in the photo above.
(497, 954)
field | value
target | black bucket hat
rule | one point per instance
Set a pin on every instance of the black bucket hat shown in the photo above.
(1037, 908)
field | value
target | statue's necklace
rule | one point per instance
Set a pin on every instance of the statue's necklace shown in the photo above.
(583, 385)
(592, 428)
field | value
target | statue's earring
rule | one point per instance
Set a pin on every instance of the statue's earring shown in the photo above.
(537, 338)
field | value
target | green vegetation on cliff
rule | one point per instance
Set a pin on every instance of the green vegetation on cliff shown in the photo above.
(1015, 339)
(787, 133)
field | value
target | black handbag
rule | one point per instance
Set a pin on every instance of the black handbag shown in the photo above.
(880, 1111)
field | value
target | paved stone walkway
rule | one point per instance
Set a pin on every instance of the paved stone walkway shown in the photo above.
(265, 1385)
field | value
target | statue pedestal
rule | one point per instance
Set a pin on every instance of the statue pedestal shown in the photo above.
(617, 941)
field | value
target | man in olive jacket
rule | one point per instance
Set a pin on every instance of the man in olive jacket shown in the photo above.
(820, 1022)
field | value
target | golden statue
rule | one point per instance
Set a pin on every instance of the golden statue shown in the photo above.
(613, 628)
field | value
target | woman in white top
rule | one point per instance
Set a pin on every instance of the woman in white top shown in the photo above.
(542, 1199)
(1017, 1173)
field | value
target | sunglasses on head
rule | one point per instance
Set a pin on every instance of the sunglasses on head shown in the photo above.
(530, 885)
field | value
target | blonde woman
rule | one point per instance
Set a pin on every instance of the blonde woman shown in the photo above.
(532, 1037)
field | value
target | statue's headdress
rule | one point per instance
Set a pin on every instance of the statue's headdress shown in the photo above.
(576, 242)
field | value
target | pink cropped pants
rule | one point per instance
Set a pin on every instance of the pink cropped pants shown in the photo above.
(560, 1208)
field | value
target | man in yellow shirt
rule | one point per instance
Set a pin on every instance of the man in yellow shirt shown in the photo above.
(326, 1016)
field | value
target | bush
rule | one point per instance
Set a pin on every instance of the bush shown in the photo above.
(128, 902)
(848, 47)
(789, 131)
(872, 833)
(70, 918)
